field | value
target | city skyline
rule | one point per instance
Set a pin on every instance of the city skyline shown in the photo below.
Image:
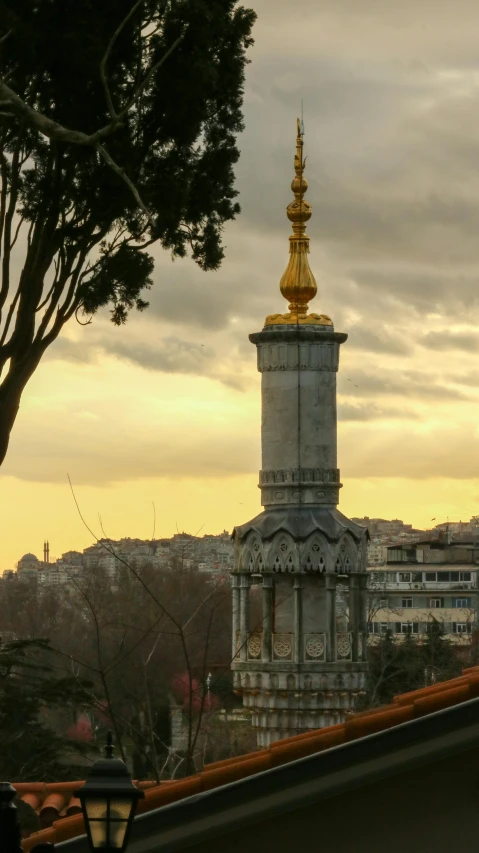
(56, 554)
(167, 409)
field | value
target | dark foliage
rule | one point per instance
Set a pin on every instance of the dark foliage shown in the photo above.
(398, 667)
(85, 235)
(30, 692)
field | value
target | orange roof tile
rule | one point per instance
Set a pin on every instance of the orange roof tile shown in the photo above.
(407, 706)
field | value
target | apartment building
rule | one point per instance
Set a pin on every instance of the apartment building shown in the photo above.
(377, 554)
(432, 580)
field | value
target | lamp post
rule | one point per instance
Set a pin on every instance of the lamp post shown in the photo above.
(109, 799)
(10, 835)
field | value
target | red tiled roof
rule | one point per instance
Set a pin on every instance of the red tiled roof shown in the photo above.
(58, 798)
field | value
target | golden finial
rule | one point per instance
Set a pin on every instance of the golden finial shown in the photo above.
(298, 285)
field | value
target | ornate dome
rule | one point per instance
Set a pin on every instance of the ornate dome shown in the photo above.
(28, 559)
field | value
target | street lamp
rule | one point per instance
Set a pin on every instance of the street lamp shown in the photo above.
(108, 799)
(10, 835)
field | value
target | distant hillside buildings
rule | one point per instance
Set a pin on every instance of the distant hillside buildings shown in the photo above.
(415, 576)
(211, 554)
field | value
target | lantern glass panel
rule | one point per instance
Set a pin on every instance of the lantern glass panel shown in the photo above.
(108, 822)
(120, 809)
(98, 831)
(117, 833)
(96, 809)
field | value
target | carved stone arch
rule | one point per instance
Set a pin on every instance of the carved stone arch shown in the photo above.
(291, 682)
(282, 554)
(339, 562)
(314, 554)
(252, 549)
(247, 560)
(349, 554)
(345, 560)
(259, 562)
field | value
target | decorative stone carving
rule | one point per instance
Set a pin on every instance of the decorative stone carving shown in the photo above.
(314, 559)
(299, 485)
(315, 647)
(282, 646)
(343, 646)
(254, 646)
(315, 554)
(306, 476)
(323, 355)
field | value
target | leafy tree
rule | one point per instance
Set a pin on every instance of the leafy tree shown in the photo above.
(398, 667)
(118, 124)
(30, 691)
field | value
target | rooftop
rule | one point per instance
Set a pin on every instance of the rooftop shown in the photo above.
(56, 804)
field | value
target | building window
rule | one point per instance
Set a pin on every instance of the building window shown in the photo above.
(430, 577)
(404, 577)
(407, 627)
(461, 602)
(436, 602)
(461, 628)
(443, 577)
(406, 602)
(417, 577)
(378, 627)
(465, 576)
(384, 603)
(394, 555)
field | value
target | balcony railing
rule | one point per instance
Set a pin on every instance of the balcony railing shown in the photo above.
(418, 585)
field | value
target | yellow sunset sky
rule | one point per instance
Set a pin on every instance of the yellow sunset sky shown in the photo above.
(166, 411)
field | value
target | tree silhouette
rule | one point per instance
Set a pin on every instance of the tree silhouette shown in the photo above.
(118, 124)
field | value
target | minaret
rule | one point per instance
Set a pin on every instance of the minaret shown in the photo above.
(46, 552)
(302, 664)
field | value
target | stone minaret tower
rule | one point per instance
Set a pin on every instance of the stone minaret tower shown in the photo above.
(299, 582)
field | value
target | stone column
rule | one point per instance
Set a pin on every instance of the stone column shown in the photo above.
(268, 590)
(298, 366)
(298, 621)
(243, 615)
(236, 611)
(354, 613)
(330, 582)
(363, 611)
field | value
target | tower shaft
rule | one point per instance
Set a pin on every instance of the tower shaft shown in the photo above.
(299, 582)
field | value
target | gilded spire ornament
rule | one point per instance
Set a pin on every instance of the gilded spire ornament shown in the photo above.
(298, 285)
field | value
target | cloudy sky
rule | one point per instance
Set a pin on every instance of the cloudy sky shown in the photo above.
(167, 410)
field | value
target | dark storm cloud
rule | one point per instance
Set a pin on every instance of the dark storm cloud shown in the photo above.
(382, 340)
(415, 291)
(168, 354)
(406, 383)
(446, 340)
(391, 148)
